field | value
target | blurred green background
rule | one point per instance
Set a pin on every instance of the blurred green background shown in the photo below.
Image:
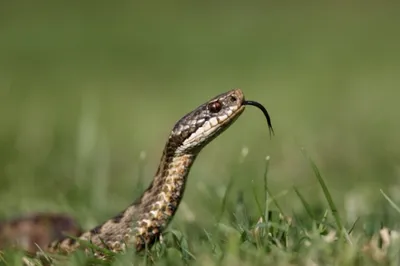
(89, 92)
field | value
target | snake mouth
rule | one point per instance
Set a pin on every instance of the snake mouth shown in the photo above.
(265, 112)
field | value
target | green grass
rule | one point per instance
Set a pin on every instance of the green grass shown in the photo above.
(89, 93)
(270, 238)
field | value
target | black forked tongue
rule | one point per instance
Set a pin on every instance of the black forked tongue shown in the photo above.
(262, 108)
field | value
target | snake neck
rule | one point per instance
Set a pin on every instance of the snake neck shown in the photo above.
(160, 202)
(144, 220)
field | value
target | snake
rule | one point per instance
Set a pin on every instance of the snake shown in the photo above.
(142, 223)
(33, 232)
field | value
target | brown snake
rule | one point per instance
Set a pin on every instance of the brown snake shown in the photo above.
(35, 231)
(141, 223)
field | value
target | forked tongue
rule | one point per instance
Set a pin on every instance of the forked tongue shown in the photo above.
(262, 108)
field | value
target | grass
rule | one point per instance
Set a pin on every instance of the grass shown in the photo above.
(269, 238)
(88, 94)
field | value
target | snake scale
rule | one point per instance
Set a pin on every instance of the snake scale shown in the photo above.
(142, 222)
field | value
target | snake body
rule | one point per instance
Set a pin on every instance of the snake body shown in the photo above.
(141, 223)
(33, 232)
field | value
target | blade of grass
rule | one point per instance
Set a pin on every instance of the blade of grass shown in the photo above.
(353, 226)
(391, 202)
(273, 199)
(256, 199)
(304, 202)
(266, 209)
(328, 197)
(224, 199)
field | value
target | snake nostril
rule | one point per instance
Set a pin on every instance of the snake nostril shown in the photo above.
(233, 98)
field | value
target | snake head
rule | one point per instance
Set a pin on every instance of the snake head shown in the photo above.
(197, 128)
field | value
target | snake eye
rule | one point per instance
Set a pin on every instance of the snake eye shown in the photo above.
(215, 107)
